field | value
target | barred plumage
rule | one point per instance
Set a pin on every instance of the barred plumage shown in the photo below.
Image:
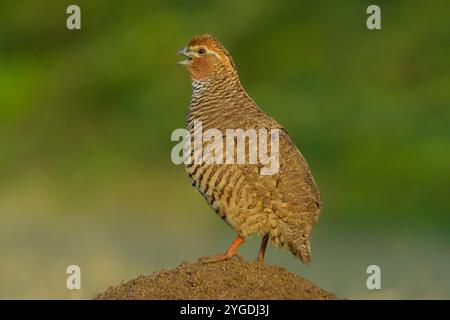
(280, 207)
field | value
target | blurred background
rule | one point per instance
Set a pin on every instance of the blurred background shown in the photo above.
(86, 116)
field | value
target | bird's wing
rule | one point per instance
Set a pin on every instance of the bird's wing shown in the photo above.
(293, 186)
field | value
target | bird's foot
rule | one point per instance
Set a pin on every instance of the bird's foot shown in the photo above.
(218, 258)
(231, 252)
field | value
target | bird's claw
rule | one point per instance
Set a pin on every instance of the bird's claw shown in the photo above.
(223, 257)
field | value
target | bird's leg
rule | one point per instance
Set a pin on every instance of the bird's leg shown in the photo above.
(262, 249)
(227, 255)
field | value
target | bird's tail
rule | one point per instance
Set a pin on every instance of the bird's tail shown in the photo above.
(297, 237)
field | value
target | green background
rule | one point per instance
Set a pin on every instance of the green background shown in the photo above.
(86, 116)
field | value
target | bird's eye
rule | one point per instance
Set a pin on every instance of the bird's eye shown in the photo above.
(201, 51)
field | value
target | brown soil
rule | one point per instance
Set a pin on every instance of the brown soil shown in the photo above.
(232, 279)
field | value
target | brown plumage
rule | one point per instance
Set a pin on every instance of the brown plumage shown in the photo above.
(281, 207)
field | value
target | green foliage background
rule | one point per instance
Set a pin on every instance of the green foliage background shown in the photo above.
(86, 117)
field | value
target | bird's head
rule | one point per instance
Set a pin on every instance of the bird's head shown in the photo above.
(206, 58)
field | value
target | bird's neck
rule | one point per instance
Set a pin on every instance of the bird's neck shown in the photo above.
(216, 99)
(222, 84)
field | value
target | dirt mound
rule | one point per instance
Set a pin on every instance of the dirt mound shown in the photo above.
(232, 279)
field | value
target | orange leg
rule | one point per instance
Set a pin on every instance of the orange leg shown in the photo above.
(262, 250)
(232, 250)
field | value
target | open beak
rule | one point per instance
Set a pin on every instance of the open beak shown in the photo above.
(184, 52)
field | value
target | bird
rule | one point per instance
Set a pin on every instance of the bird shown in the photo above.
(281, 207)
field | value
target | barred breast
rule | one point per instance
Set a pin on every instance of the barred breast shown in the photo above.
(224, 186)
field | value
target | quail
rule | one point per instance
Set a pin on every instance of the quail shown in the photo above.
(281, 207)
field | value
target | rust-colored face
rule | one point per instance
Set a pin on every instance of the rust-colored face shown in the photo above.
(205, 57)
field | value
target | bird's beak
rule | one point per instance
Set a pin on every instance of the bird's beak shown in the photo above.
(184, 52)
